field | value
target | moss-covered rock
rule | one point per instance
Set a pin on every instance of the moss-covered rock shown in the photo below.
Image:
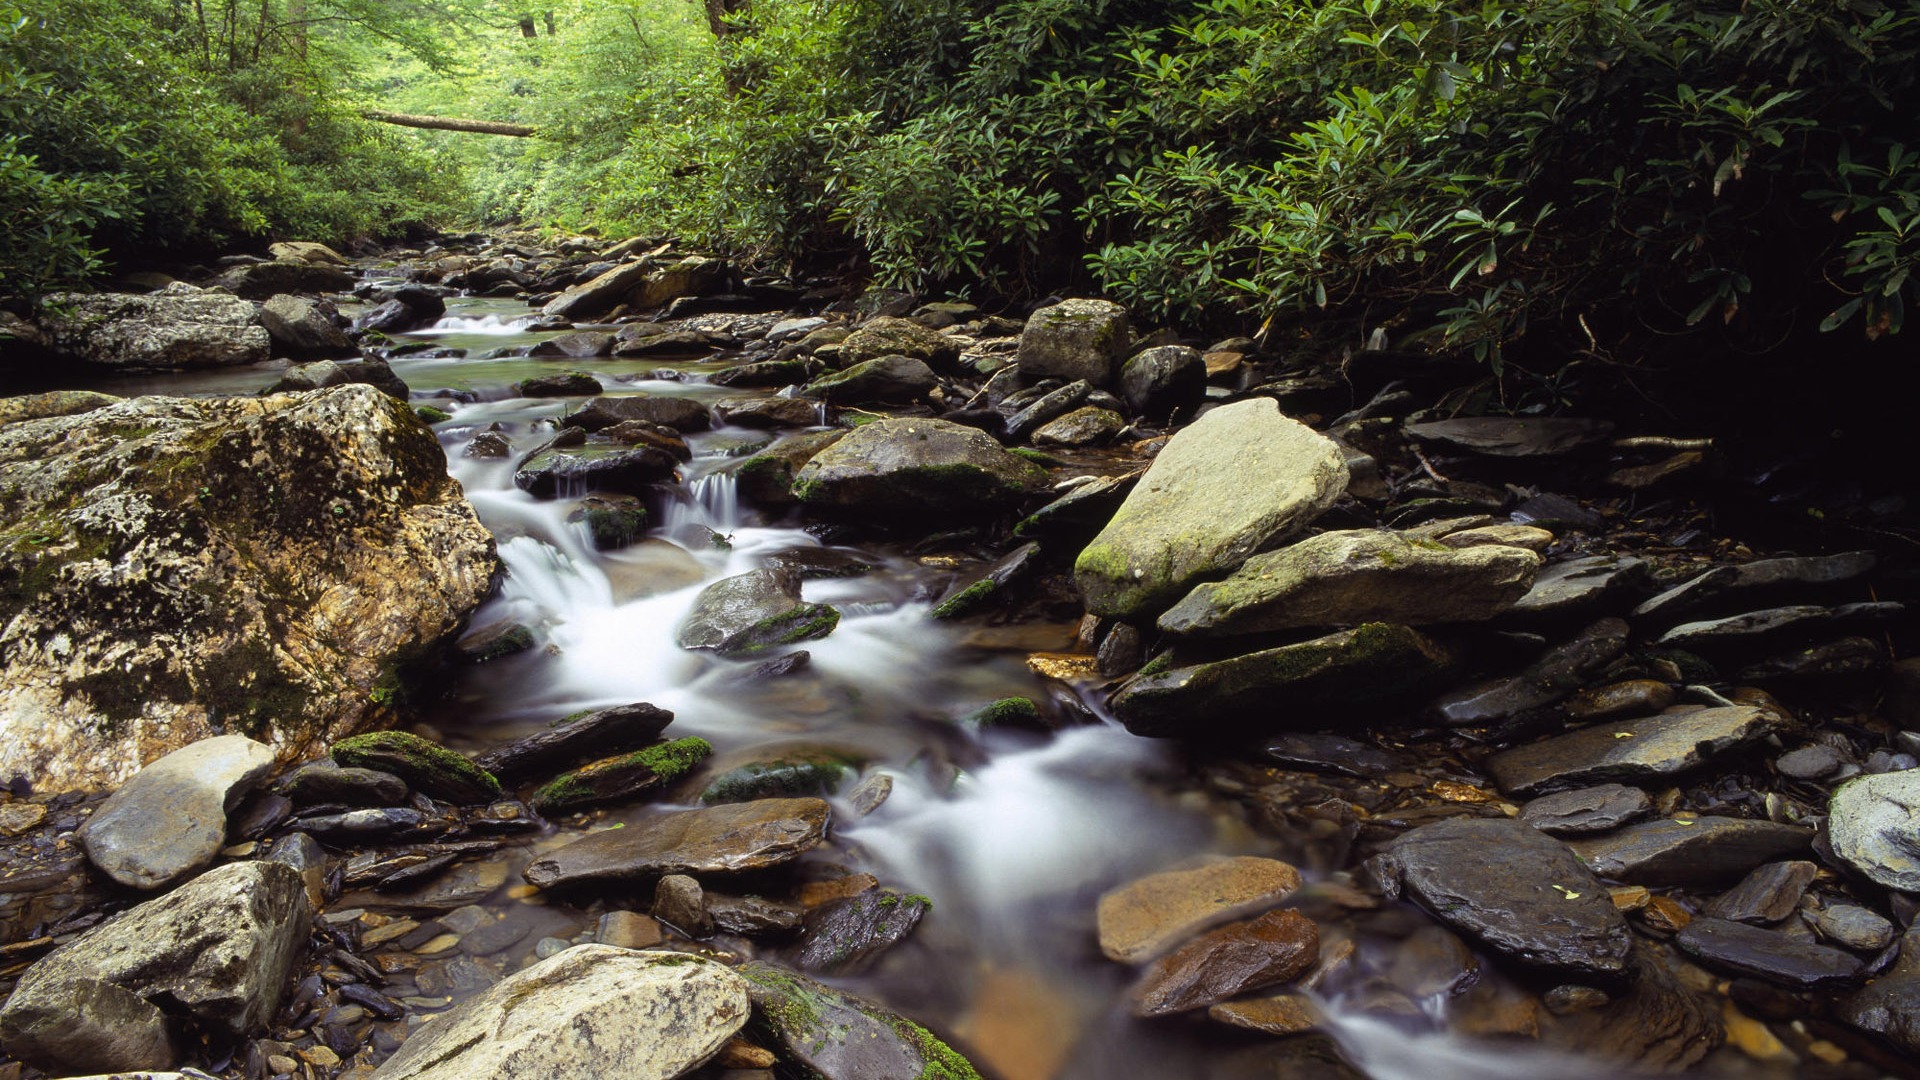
(888, 379)
(752, 612)
(612, 521)
(887, 336)
(426, 766)
(1075, 339)
(1006, 712)
(838, 1036)
(804, 773)
(766, 478)
(621, 777)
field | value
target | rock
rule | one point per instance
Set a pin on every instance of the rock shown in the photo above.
(178, 328)
(219, 948)
(1164, 382)
(1631, 751)
(580, 344)
(409, 307)
(1889, 1006)
(562, 473)
(668, 342)
(306, 250)
(1356, 576)
(1232, 483)
(1656, 1026)
(894, 337)
(1750, 584)
(1075, 517)
(1280, 687)
(574, 739)
(1281, 1014)
(1736, 630)
(766, 478)
(961, 599)
(503, 638)
(646, 433)
(719, 839)
(752, 612)
(679, 413)
(591, 1012)
(679, 902)
(1033, 412)
(837, 1036)
(1586, 811)
(322, 783)
(304, 326)
(1692, 851)
(1516, 891)
(1854, 927)
(427, 767)
(1087, 426)
(621, 777)
(600, 295)
(1520, 536)
(890, 379)
(53, 403)
(258, 281)
(1635, 697)
(628, 930)
(1331, 754)
(1139, 920)
(1769, 894)
(1273, 948)
(765, 373)
(767, 412)
(1579, 587)
(1768, 955)
(324, 373)
(847, 936)
(753, 916)
(693, 275)
(612, 521)
(806, 772)
(1074, 339)
(560, 384)
(917, 467)
(170, 568)
(1848, 656)
(1509, 436)
(1561, 671)
(170, 819)
(1871, 824)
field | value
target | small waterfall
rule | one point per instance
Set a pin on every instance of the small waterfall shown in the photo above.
(486, 325)
(712, 503)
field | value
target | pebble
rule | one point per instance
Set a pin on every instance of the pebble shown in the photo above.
(16, 818)
(628, 930)
(1854, 927)
(439, 945)
(550, 946)
(870, 793)
(1570, 999)
(679, 902)
(1814, 762)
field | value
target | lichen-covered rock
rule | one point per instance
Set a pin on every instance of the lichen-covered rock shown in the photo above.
(52, 403)
(887, 336)
(1871, 824)
(917, 466)
(172, 568)
(1074, 339)
(841, 1037)
(896, 379)
(257, 281)
(304, 326)
(176, 329)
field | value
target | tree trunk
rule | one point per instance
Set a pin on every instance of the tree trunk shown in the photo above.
(526, 27)
(448, 123)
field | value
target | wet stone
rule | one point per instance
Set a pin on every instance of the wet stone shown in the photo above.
(1586, 811)
(806, 773)
(323, 783)
(1282, 1014)
(842, 1037)
(1737, 630)
(1768, 955)
(558, 473)
(1816, 762)
(1647, 749)
(170, 819)
(719, 839)
(1854, 927)
(1743, 585)
(1767, 895)
(560, 384)
(628, 930)
(679, 902)
(1889, 1006)
(16, 818)
(1570, 998)
(574, 739)
(1582, 586)
(426, 767)
(1433, 961)
(622, 777)
(494, 641)
(1502, 436)
(751, 916)
(1871, 825)
(496, 936)
(1691, 851)
(1332, 754)
(612, 521)
(1635, 697)
(1549, 679)
(752, 612)
(1142, 919)
(849, 936)
(868, 795)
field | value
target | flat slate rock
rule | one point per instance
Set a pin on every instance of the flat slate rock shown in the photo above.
(1143, 918)
(1772, 622)
(1580, 586)
(1768, 955)
(1274, 948)
(1648, 749)
(1724, 586)
(719, 839)
(847, 936)
(1873, 825)
(170, 819)
(1889, 1006)
(1335, 754)
(1560, 672)
(1689, 852)
(573, 740)
(1769, 894)
(1585, 811)
(1504, 436)
(1516, 891)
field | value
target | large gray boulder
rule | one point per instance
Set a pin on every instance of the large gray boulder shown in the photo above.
(172, 569)
(896, 379)
(1164, 381)
(304, 327)
(1230, 484)
(600, 295)
(917, 466)
(752, 612)
(257, 281)
(1873, 824)
(176, 329)
(1355, 576)
(170, 820)
(887, 336)
(219, 948)
(592, 1012)
(1074, 339)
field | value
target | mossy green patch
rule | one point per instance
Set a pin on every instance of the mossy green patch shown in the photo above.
(430, 415)
(1012, 710)
(784, 778)
(966, 600)
(427, 766)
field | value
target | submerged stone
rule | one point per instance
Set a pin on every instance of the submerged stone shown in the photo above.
(1220, 964)
(1143, 918)
(848, 936)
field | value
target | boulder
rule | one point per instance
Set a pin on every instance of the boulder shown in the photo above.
(767, 412)
(591, 1012)
(1074, 339)
(917, 467)
(574, 471)
(749, 613)
(321, 374)
(1646, 750)
(1873, 825)
(257, 281)
(219, 948)
(1273, 948)
(694, 275)
(1141, 919)
(729, 838)
(679, 413)
(1356, 576)
(170, 819)
(1691, 851)
(600, 295)
(1163, 382)
(558, 384)
(580, 344)
(304, 326)
(887, 380)
(837, 1036)
(172, 568)
(888, 336)
(766, 478)
(1086, 426)
(1232, 483)
(178, 328)
(307, 251)
(403, 308)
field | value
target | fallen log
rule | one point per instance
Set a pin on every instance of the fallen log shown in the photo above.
(448, 123)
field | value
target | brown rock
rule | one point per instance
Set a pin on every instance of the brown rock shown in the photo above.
(717, 839)
(1139, 920)
(1282, 1014)
(1232, 960)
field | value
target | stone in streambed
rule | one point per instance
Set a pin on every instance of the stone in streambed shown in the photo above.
(552, 474)
(577, 738)
(1074, 339)
(1075, 517)
(1141, 919)
(888, 380)
(766, 478)
(426, 766)
(304, 327)
(1581, 586)
(803, 773)
(767, 412)
(1586, 811)
(1632, 751)
(1086, 426)
(1889, 1006)
(720, 839)
(612, 521)
(917, 466)
(1224, 487)
(1873, 825)
(53, 403)
(559, 384)
(170, 819)
(679, 902)
(1273, 948)
(1738, 630)
(961, 600)
(257, 281)
(1769, 894)
(621, 777)
(678, 413)
(600, 295)
(325, 783)
(580, 344)
(494, 641)
(1282, 1014)
(1854, 926)
(591, 1012)
(1768, 955)
(1515, 890)
(1280, 687)
(752, 612)
(1694, 851)
(1163, 382)
(1507, 436)
(891, 337)
(1047, 407)
(1744, 585)
(1560, 672)
(219, 948)
(838, 1036)
(1355, 576)
(847, 936)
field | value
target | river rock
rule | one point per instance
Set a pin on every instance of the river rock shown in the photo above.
(1264, 951)
(1691, 851)
(622, 776)
(427, 767)
(1163, 382)
(1139, 920)
(599, 295)
(752, 612)
(1737, 630)
(574, 739)
(580, 344)
(403, 308)
(715, 840)
(1224, 487)
(219, 948)
(972, 592)
(176, 329)
(1075, 517)
(1771, 893)
(305, 326)
(679, 902)
(170, 819)
(1633, 751)
(591, 1012)
(494, 641)
(1658, 1025)
(693, 275)
(894, 337)
(1634, 697)
(1873, 825)
(324, 783)
(1586, 811)
(1765, 954)
(558, 384)
(1854, 926)
(1560, 672)
(768, 373)
(1582, 586)
(848, 936)
(1515, 890)
(657, 340)
(838, 1036)
(53, 403)
(886, 380)
(258, 281)
(679, 413)
(1513, 436)
(565, 472)
(1355, 576)
(1889, 1006)
(803, 772)
(1748, 584)
(1520, 536)
(919, 467)
(172, 568)
(766, 478)
(1074, 339)
(1087, 426)
(1280, 687)
(767, 412)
